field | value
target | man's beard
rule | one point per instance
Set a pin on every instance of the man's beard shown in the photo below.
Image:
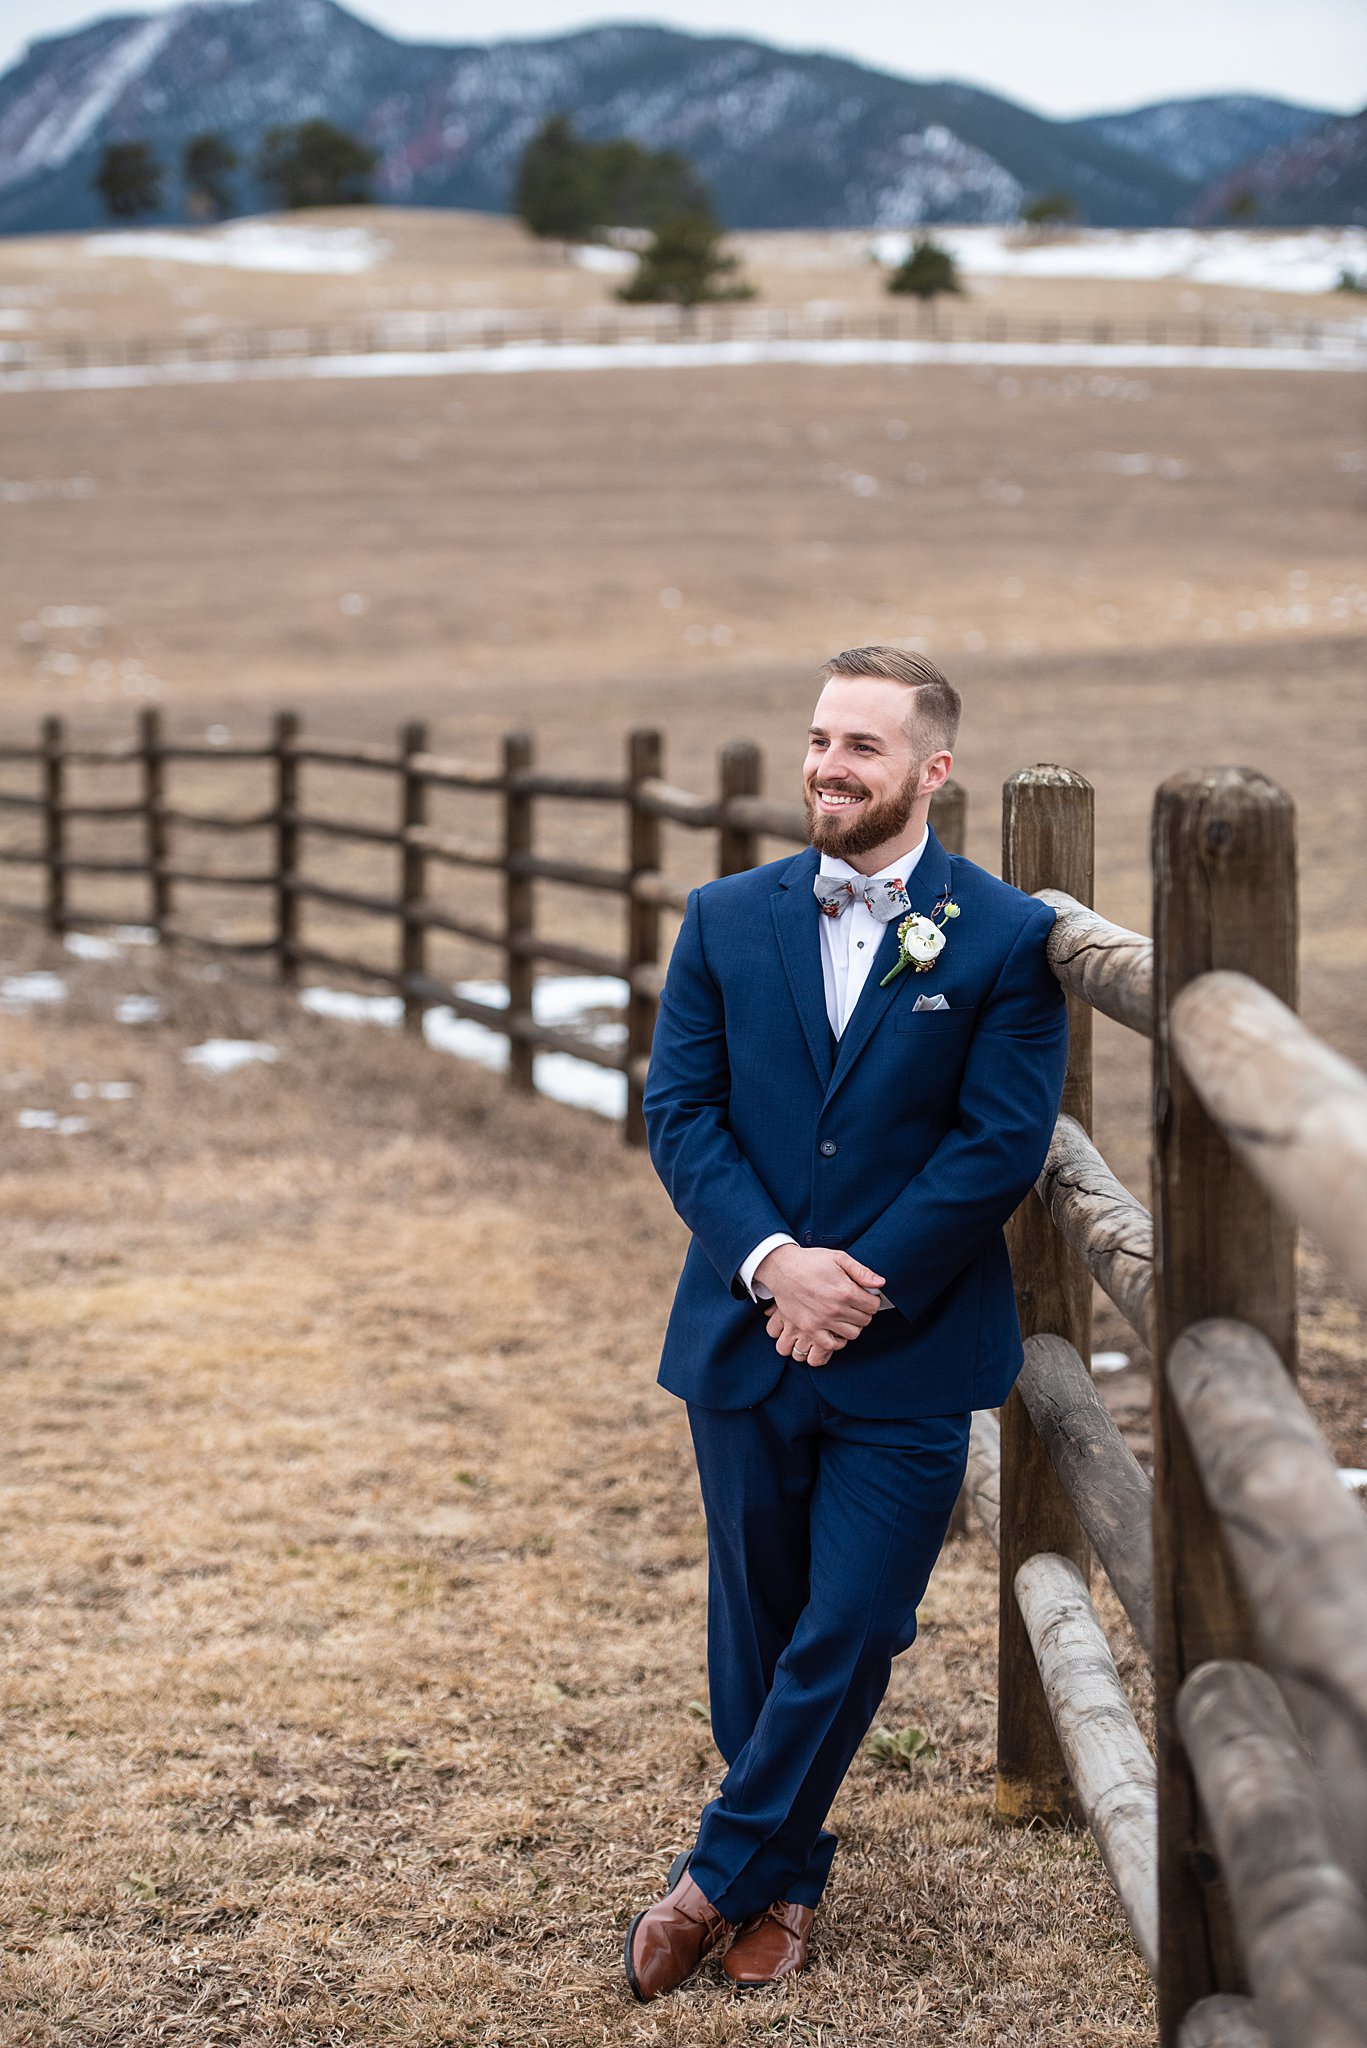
(871, 825)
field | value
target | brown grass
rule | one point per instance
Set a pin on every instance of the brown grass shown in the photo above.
(354, 1588)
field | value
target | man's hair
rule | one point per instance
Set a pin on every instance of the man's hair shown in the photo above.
(933, 714)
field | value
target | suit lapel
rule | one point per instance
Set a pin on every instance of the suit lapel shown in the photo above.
(796, 921)
(929, 881)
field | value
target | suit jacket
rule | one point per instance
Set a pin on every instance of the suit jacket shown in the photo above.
(908, 1145)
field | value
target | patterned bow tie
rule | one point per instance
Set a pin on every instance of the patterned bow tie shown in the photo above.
(887, 898)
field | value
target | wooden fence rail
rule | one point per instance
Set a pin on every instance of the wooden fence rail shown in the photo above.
(1239, 1851)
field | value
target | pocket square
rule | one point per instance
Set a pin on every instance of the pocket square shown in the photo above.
(930, 1003)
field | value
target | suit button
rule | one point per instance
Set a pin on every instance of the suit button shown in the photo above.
(806, 1237)
(828, 1148)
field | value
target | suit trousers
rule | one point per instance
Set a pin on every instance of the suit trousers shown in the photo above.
(822, 1531)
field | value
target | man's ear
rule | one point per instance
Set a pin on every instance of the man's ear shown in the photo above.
(935, 771)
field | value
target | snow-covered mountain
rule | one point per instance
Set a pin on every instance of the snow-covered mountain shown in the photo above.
(783, 139)
(1201, 139)
(1319, 176)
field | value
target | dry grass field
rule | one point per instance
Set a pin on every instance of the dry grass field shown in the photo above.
(354, 1567)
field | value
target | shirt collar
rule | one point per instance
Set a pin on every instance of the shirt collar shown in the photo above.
(832, 864)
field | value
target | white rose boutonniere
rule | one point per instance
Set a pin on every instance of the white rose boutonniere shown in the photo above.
(921, 940)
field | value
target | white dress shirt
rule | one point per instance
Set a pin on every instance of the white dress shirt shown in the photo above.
(848, 944)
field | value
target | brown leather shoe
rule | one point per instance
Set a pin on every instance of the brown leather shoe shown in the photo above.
(671, 1939)
(770, 1947)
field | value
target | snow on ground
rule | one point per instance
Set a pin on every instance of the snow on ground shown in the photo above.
(1257, 260)
(92, 946)
(1110, 1361)
(523, 358)
(49, 1120)
(137, 1010)
(568, 999)
(223, 1055)
(597, 256)
(19, 992)
(249, 245)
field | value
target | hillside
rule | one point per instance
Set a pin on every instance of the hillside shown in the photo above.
(785, 139)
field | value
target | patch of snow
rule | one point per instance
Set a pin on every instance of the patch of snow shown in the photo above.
(90, 946)
(56, 139)
(44, 490)
(1297, 261)
(223, 1055)
(350, 1008)
(137, 935)
(18, 992)
(594, 256)
(1110, 1361)
(108, 1091)
(1353, 1477)
(250, 245)
(48, 1120)
(138, 1010)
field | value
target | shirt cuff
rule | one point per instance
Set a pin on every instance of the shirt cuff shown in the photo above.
(761, 1251)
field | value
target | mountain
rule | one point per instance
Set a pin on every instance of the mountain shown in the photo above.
(1319, 176)
(1201, 139)
(784, 139)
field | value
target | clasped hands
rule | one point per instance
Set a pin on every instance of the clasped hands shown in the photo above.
(822, 1298)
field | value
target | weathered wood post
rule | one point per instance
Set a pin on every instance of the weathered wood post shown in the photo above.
(154, 822)
(1047, 843)
(645, 834)
(1224, 887)
(54, 824)
(740, 774)
(519, 906)
(949, 816)
(286, 846)
(412, 877)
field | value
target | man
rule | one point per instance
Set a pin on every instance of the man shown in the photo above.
(856, 1071)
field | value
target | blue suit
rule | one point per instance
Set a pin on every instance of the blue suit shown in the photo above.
(907, 1143)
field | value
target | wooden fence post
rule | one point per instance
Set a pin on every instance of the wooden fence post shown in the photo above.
(153, 797)
(741, 773)
(413, 878)
(645, 838)
(54, 824)
(1224, 885)
(286, 846)
(519, 906)
(949, 816)
(1047, 843)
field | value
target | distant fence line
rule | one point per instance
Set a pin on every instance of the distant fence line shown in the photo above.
(738, 815)
(1240, 1853)
(895, 320)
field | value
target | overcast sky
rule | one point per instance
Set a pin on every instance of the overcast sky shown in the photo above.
(1061, 56)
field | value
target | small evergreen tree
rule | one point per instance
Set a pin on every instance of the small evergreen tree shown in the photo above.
(128, 179)
(925, 271)
(644, 188)
(557, 196)
(314, 163)
(685, 266)
(1049, 210)
(1242, 205)
(207, 165)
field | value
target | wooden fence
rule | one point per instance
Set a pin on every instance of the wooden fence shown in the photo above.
(894, 319)
(736, 819)
(1240, 1855)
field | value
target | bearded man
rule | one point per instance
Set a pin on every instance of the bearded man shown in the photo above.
(856, 1070)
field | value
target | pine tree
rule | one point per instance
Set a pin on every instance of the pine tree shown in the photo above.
(685, 266)
(314, 163)
(926, 271)
(557, 196)
(1049, 210)
(206, 166)
(128, 179)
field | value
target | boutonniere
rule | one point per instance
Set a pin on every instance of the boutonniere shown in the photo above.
(921, 940)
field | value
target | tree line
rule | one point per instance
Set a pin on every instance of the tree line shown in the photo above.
(568, 189)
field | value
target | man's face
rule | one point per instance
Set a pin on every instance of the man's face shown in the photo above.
(861, 778)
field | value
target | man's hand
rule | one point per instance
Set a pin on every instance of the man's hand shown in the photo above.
(822, 1298)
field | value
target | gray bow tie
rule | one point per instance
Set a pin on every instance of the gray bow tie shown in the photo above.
(887, 898)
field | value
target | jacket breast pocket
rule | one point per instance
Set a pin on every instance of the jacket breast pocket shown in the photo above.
(930, 1022)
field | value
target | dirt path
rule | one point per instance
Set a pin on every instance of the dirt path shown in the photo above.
(354, 1584)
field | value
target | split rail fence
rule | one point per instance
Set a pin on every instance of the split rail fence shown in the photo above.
(893, 320)
(1240, 1855)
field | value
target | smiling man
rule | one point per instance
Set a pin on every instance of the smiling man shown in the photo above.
(856, 1071)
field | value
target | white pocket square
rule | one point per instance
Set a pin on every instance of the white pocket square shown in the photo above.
(930, 1003)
